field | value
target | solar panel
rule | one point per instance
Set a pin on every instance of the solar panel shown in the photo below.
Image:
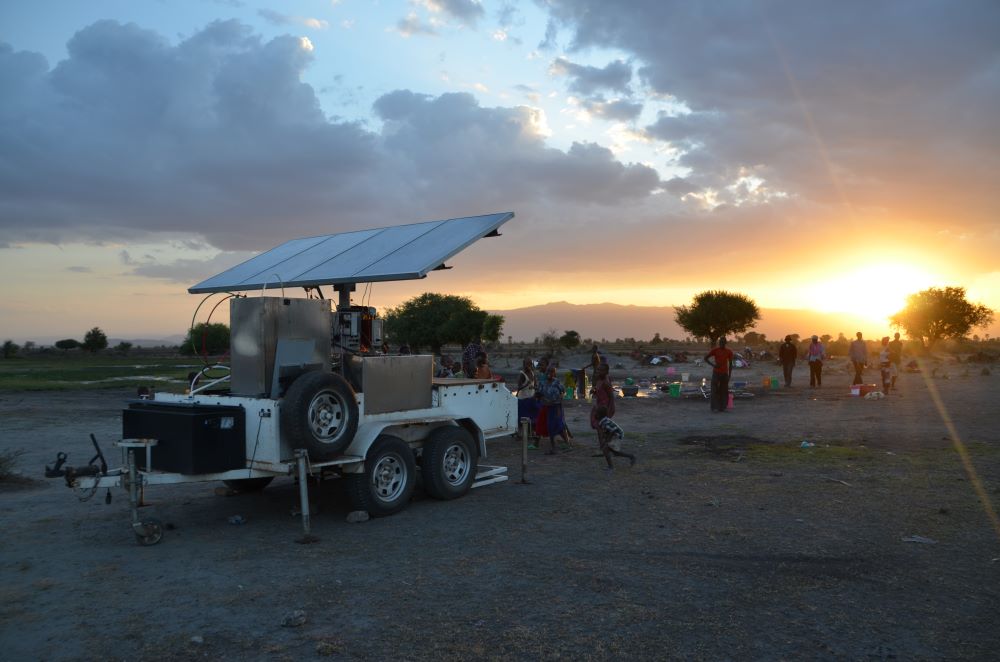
(402, 252)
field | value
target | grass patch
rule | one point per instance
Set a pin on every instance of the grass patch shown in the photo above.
(74, 372)
(794, 454)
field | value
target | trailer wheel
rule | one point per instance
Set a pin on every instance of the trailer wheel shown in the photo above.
(320, 413)
(387, 483)
(248, 484)
(449, 462)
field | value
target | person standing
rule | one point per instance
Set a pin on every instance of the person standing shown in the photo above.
(885, 365)
(595, 363)
(604, 396)
(815, 356)
(859, 358)
(787, 354)
(721, 360)
(472, 351)
(527, 403)
(895, 356)
(555, 422)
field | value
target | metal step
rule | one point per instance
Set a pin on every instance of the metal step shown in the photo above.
(487, 474)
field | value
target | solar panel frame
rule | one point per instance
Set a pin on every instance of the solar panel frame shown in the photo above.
(401, 252)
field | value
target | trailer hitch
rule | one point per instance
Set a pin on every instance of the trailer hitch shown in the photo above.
(71, 473)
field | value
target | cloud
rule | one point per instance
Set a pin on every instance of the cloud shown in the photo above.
(617, 110)
(277, 18)
(587, 80)
(412, 25)
(217, 138)
(79, 270)
(189, 270)
(467, 12)
(903, 122)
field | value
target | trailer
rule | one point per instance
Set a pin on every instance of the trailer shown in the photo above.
(307, 391)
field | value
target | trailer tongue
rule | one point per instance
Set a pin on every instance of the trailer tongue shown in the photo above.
(308, 392)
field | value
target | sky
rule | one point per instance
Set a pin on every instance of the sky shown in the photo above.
(822, 156)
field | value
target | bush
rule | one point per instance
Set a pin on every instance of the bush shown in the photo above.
(7, 461)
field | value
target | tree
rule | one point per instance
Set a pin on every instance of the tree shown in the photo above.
(550, 340)
(937, 313)
(123, 348)
(570, 339)
(95, 340)
(656, 339)
(10, 349)
(434, 320)
(715, 313)
(754, 338)
(68, 343)
(206, 340)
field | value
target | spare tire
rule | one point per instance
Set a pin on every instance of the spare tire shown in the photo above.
(319, 413)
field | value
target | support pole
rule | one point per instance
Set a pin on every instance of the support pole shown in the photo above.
(307, 537)
(525, 429)
(133, 490)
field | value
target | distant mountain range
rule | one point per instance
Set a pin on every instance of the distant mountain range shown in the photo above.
(611, 321)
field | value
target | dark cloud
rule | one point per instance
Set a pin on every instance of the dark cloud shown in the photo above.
(584, 79)
(873, 107)
(217, 137)
(79, 270)
(617, 110)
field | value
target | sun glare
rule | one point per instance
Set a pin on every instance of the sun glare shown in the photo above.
(875, 292)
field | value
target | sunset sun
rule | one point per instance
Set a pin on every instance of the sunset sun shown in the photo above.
(875, 292)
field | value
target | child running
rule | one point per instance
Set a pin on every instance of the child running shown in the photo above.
(609, 435)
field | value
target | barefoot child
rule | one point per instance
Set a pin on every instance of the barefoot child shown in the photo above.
(609, 435)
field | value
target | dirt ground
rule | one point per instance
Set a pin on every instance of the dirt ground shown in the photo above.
(727, 541)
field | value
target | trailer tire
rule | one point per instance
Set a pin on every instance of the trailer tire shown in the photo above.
(248, 484)
(388, 480)
(320, 413)
(449, 462)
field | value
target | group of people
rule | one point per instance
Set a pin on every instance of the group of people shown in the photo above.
(540, 400)
(890, 357)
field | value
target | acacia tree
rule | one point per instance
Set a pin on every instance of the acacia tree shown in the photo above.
(10, 349)
(434, 320)
(716, 313)
(937, 313)
(94, 340)
(206, 339)
(570, 339)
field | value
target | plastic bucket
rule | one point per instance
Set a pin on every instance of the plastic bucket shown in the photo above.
(730, 403)
(774, 382)
(569, 393)
(675, 389)
(766, 382)
(856, 389)
(685, 376)
(670, 371)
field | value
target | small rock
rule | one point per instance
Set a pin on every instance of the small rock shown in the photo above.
(237, 519)
(198, 639)
(356, 516)
(294, 619)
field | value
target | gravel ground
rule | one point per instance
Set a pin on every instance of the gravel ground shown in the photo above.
(727, 541)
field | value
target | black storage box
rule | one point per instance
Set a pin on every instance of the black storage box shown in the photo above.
(191, 439)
